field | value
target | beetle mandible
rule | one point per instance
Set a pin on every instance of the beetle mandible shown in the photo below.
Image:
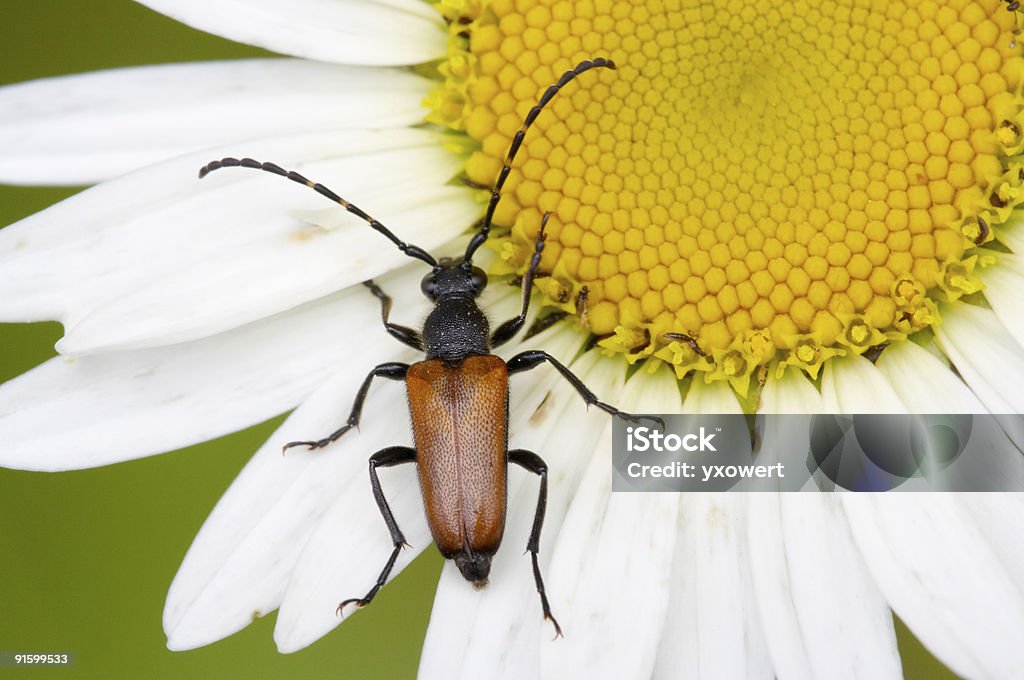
(458, 395)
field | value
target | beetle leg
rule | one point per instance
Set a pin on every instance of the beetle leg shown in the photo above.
(531, 462)
(525, 361)
(507, 330)
(393, 455)
(403, 334)
(392, 370)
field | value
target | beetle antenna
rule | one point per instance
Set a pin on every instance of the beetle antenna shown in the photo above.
(517, 141)
(410, 250)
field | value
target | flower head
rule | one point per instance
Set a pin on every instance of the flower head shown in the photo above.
(784, 169)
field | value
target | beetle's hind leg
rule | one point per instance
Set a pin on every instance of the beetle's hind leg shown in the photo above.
(392, 370)
(531, 462)
(389, 457)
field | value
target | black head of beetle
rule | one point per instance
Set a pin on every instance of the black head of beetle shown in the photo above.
(453, 277)
(456, 327)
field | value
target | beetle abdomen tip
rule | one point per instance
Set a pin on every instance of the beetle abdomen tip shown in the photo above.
(474, 567)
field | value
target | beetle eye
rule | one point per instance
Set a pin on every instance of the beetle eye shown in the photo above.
(428, 285)
(478, 280)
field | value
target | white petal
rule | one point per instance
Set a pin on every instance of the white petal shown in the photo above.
(81, 129)
(614, 554)
(854, 385)
(716, 397)
(95, 410)
(241, 560)
(985, 354)
(497, 632)
(998, 517)
(203, 298)
(924, 383)
(786, 440)
(344, 31)
(350, 545)
(414, 7)
(944, 578)
(114, 237)
(793, 393)
(822, 614)
(348, 549)
(908, 376)
(713, 628)
(171, 268)
(1012, 232)
(1003, 283)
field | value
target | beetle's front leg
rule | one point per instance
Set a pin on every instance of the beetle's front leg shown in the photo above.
(507, 330)
(403, 334)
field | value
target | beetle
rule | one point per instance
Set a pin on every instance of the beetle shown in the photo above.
(459, 393)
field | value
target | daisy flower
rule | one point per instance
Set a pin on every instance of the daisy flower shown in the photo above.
(771, 207)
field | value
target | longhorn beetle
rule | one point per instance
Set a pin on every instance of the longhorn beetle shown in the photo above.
(458, 395)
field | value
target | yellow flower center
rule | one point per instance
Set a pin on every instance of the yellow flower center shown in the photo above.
(759, 184)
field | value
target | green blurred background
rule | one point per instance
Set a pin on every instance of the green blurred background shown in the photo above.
(87, 556)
